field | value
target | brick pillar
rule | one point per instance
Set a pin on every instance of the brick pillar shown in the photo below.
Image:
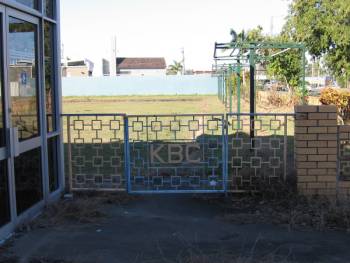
(316, 149)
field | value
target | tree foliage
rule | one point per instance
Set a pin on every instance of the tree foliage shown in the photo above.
(286, 67)
(175, 68)
(324, 26)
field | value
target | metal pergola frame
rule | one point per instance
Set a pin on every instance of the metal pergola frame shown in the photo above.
(241, 53)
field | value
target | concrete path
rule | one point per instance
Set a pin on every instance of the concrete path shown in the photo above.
(168, 228)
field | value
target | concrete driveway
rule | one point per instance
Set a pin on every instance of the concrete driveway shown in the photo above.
(178, 229)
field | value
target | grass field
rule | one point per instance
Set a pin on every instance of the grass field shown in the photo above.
(143, 104)
(185, 104)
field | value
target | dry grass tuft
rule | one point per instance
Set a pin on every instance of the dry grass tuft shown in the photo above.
(196, 256)
(84, 208)
(281, 205)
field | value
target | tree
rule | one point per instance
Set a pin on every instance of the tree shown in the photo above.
(175, 68)
(324, 26)
(287, 66)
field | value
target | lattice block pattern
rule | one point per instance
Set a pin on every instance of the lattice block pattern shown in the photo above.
(259, 150)
(94, 146)
(176, 153)
(344, 159)
(175, 127)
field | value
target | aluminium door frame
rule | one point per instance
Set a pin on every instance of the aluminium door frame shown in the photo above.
(6, 151)
(32, 143)
(38, 17)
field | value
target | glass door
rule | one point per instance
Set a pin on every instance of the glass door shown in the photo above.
(5, 211)
(24, 111)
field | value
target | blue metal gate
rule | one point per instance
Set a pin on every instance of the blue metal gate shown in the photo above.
(176, 153)
(189, 153)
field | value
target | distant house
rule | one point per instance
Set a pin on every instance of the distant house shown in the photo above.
(141, 66)
(78, 68)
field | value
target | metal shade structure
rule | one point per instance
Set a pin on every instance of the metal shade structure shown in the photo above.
(231, 57)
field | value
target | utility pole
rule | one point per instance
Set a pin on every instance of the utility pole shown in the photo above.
(62, 51)
(113, 64)
(183, 61)
(271, 26)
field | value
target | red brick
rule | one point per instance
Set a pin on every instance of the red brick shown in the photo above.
(327, 137)
(318, 116)
(301, 158)
(306, 179)
(332, 158)
(301, 165)
(302, 186)
(331, 185)
(305, 137)
(332, 171)
(300, 129)
(299, 144)
(317, 130)
(318, 185)
(301, 116)
(306, 151)
(301, 172)
(306, 123)
(332, 130)
(327, 150)
(317, 144)
(327, 123)
(327, 108)
(332, 116)
(317, 158)
(327, 165)
(317, 172)
(326, 178)
(332, 143)
(306, 108)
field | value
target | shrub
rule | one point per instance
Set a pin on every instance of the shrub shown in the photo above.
(277, 99)
(341, 99)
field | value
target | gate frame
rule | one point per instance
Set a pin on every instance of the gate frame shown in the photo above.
(150, 192)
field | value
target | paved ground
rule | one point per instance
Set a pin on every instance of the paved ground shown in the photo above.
(169, 229)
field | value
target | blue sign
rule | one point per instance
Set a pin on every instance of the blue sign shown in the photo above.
(24, 78)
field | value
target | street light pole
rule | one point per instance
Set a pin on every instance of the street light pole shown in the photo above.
(183, 61)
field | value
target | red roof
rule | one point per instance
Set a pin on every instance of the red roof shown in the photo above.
(141, 63)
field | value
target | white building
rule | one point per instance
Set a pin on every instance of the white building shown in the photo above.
(78, 68)
(141, 66)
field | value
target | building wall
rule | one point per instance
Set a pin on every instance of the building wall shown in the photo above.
(77, 71)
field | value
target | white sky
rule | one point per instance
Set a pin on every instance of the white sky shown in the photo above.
(160, 28)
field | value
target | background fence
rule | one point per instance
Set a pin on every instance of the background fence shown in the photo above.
(128, 85)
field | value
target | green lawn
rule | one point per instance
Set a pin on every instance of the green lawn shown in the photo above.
(143, 104)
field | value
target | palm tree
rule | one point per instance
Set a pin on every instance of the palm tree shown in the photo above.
(175, 68)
